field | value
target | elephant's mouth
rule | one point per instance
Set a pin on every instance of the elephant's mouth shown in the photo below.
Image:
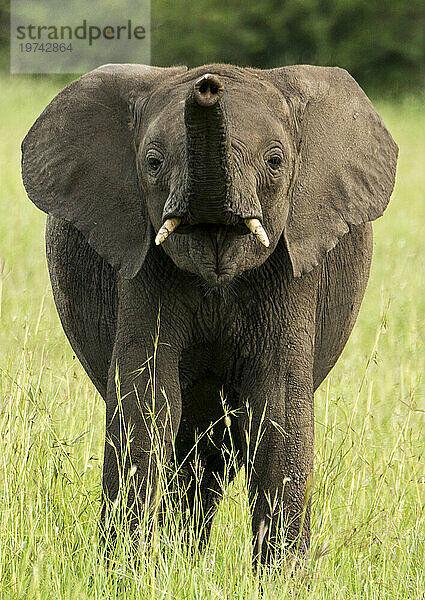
(214, 251)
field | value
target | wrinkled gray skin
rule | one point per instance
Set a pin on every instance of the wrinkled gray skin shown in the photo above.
(125, 147)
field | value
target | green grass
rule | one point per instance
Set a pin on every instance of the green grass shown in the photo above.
(368, 537)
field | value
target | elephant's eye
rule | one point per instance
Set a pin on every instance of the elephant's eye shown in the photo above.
(154, 160)
(274, 160)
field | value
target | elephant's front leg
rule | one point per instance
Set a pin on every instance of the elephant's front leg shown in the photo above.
(142, 418)
(279, 451)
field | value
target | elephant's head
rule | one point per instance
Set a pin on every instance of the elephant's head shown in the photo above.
(218, 163)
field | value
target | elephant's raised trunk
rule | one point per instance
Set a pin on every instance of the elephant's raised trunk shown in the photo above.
(213, 195)
(208, 152)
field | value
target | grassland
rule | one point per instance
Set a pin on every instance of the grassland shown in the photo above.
(369, 487)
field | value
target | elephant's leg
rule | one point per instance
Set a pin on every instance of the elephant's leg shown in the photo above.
(279, 453)
(142, 418)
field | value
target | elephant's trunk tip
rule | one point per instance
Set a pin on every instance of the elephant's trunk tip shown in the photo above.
(208, 89)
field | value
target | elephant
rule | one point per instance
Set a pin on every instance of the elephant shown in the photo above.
(209, 235)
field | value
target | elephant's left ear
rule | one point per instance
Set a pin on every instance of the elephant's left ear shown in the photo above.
(347, 160)
(79, 160)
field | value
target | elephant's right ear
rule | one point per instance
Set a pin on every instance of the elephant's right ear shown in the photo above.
(79, 161)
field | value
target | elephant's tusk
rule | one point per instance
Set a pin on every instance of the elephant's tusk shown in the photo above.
(168, 227)
(257, 229)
